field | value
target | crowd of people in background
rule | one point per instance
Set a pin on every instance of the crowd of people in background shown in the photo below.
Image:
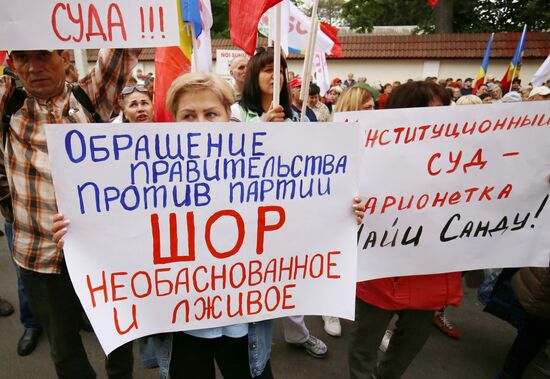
(47, 299)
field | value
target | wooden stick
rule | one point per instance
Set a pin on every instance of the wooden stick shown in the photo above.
(308, 58)
(277, 57)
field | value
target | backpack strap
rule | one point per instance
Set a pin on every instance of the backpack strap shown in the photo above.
(17, 99)
(15, 102)
(82, 97)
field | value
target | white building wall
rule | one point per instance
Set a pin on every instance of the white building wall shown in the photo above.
(497, 67)
(379, 71)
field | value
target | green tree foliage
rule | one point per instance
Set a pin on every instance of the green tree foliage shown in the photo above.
(220, 15)
(329, 11)
(468, 15)
(507, 15)
(363, 15)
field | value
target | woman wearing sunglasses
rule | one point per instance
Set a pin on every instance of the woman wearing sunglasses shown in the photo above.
(136, 104)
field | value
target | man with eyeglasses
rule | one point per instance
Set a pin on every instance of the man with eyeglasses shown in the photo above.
(50, 100)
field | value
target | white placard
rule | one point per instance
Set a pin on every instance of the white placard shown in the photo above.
(224, 58)
(181, 226)
(454, 188)
(86, 24)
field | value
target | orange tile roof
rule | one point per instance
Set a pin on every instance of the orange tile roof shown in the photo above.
(428, 46)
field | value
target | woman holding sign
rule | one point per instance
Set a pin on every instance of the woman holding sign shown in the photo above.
(242, 350)
(415, 299)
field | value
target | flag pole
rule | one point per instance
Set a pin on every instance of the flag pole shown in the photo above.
(515, 66)
(308, 58)
(270, 34)
(277, 57)
(307, 74)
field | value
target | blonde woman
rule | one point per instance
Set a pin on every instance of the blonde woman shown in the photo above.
(468, 100)
(241, 350)
(356, 98)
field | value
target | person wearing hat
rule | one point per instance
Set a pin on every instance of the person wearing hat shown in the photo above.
(512, 97)
(539, 93)
(297, 103)
(332, 97)
(467, 87)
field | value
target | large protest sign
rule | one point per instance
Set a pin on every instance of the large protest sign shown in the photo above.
(454, 188)
(177, 227)
(51, 24)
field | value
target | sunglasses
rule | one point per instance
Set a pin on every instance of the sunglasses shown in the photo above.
(129, 90)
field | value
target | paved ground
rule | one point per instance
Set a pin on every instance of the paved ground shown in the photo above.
(478, 354)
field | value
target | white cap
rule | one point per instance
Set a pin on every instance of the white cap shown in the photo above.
(542, 90)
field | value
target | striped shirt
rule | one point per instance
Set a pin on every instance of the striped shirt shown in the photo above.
(26, 154)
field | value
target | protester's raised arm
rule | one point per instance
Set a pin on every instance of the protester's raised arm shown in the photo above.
(109, 76)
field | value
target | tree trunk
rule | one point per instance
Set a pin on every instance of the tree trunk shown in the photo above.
(444, 16)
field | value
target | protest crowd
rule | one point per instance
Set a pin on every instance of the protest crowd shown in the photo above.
(42, 87)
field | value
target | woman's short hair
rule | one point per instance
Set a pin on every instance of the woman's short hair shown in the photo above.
(469, 99)
(417, 94)
(336, 89)
(197, 81)
(251, 98)
(352, 98)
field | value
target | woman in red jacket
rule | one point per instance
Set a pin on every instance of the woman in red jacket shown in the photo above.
(413, 298)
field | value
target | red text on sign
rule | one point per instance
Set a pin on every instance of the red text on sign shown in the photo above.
(261, 229)
(76, 23)
(455, 160)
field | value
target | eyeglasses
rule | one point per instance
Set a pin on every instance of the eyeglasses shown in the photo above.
(129, 90)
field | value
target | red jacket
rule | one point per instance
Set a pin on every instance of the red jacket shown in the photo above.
(422, 292)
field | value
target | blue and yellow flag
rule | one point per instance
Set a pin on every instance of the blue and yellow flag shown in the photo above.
(515, 65)
(484, 64)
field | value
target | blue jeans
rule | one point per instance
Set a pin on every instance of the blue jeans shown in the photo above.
(25, 314)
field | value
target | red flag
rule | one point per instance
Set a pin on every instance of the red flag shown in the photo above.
(170, 62)
(432, 3)
(244, 17)
(3, 54)
(332, 33)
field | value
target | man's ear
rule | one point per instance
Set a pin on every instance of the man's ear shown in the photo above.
(66, 57)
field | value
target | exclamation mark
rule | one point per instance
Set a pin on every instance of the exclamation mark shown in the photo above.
(142, 22)
(537, 214)
(161, 21)
(151, 21)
